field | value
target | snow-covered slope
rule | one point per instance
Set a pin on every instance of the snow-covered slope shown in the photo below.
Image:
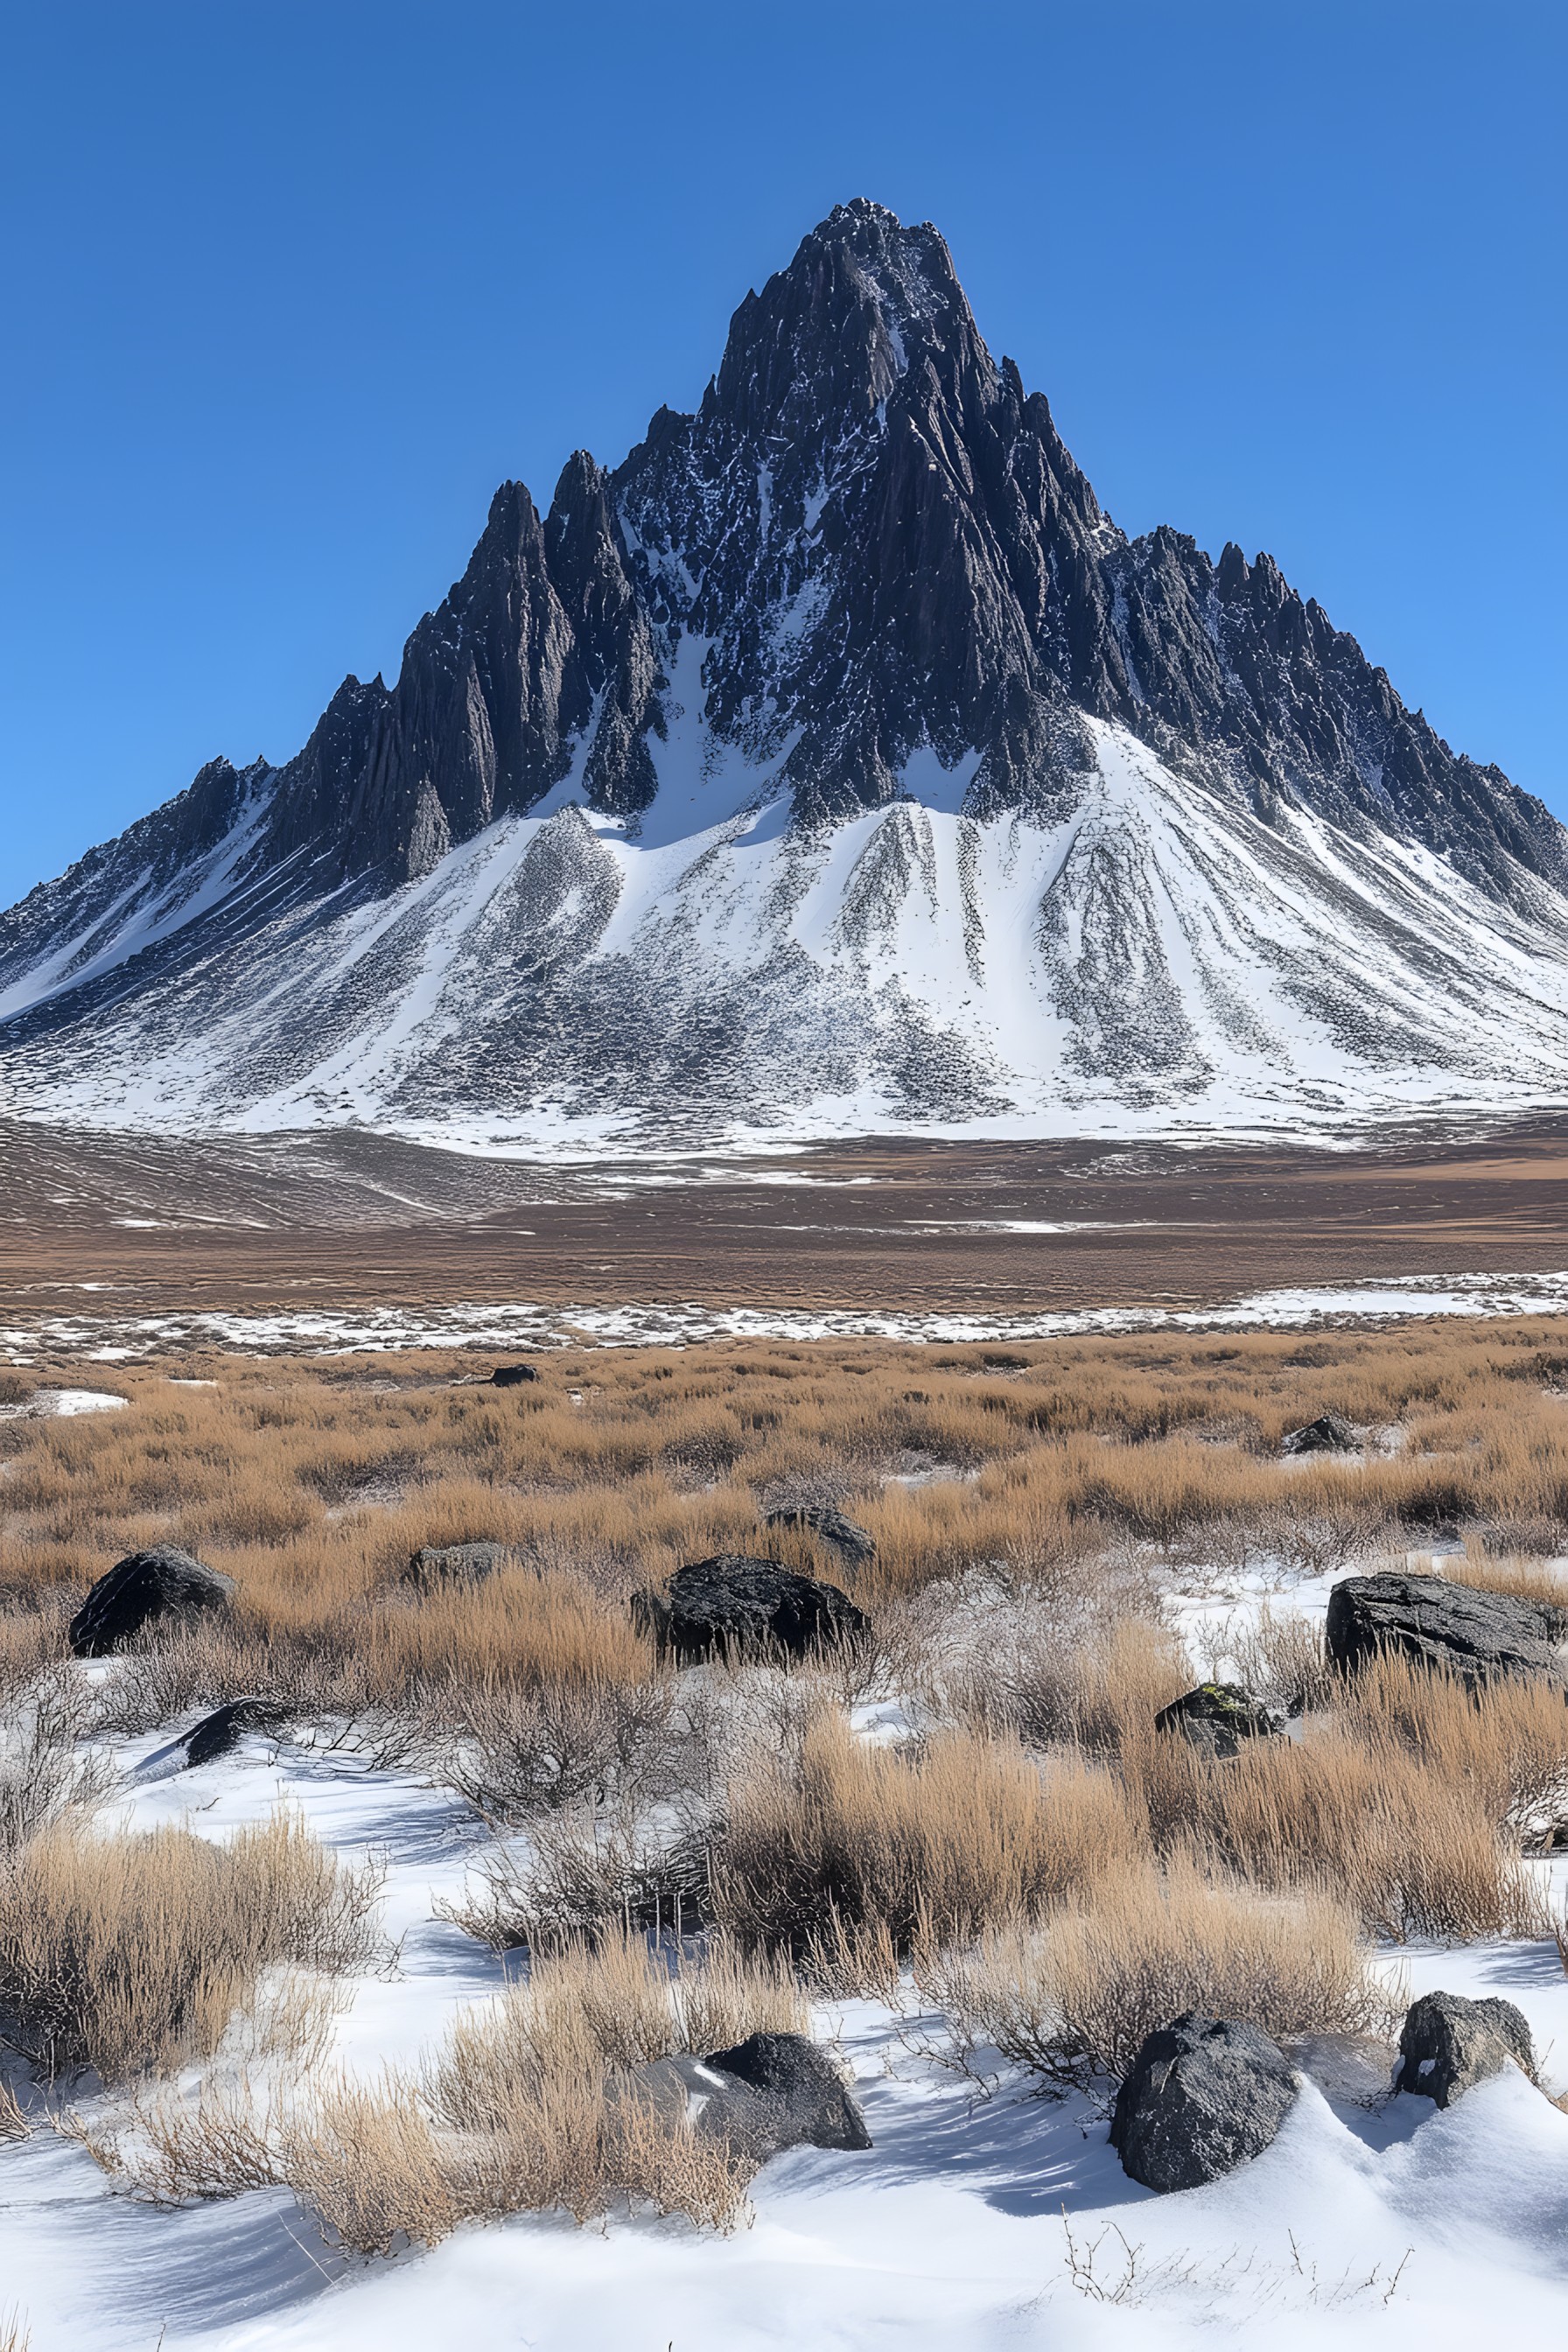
(836, 765)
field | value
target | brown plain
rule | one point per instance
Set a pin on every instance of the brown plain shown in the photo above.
(256, 1223)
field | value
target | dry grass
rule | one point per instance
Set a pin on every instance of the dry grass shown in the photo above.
(15, 2333)
(43, 1774)
(1525, 1578)
(1015, 1608)
(937, 1844)
(589, 1875)
(134, 1953)
(613, 2004)
(532, 2105)
(1072, 1999)
(1409, 1797)
(313, 1484)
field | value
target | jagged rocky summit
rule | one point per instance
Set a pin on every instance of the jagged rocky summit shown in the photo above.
(834, 764)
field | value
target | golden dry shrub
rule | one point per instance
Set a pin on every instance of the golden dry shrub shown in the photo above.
(969, 1830)
(617, 2003)
(131, 1952)
(1408, 1797)
(1073, 1997)
(313, 1481)
(532, 2103)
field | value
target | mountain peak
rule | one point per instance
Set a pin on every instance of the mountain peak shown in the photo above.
(834, 747)
(835, 329)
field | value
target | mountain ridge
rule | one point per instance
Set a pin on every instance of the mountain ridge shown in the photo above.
(862, 585)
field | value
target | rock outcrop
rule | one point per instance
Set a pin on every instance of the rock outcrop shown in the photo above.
(1157, 795)
(1459, 1628)
(161, 1587)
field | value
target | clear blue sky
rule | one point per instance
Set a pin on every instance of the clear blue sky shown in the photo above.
(291, 288)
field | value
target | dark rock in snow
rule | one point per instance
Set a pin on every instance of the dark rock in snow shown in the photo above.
(1327, 1434)
(1216, 1717)
(850, 1542)
(161, 1586)
(217, 1732)
(460, 1563)
(1448, 2045)
(801, 2088)
(731, 1602)
(775, 2091)
(512, 1376)
(1203, 2095)
(1468, 1632)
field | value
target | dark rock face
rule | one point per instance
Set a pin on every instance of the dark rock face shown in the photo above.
(512, 1376)
(1449, 2044)
(1327, 1434)
(1216, 1717)
(1458, 1627)
(802, 2090)
(1203, 2095)
(850, 1542)
(463, 1563)
(217, 1733)
(165, 1586)
(733, 1603)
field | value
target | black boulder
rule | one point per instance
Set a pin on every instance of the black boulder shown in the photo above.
(1216, 1717)
(1327, 1434)
(1203, 2095)
(1471, 1633)
(732, 1602)
(216, 1732)
(851, 1543)
(1448, 2045)
(163, 1585)
(804, 2095)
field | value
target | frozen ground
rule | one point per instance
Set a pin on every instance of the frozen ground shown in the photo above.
(998, 2223)
(102, 1333)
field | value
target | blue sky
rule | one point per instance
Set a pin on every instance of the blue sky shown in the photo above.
(290, 289)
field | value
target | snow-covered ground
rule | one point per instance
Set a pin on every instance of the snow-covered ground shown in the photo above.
(985, 2223)
(62, 1404)
(103, 1334)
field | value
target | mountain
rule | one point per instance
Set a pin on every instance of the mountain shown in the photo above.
(834, 764)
